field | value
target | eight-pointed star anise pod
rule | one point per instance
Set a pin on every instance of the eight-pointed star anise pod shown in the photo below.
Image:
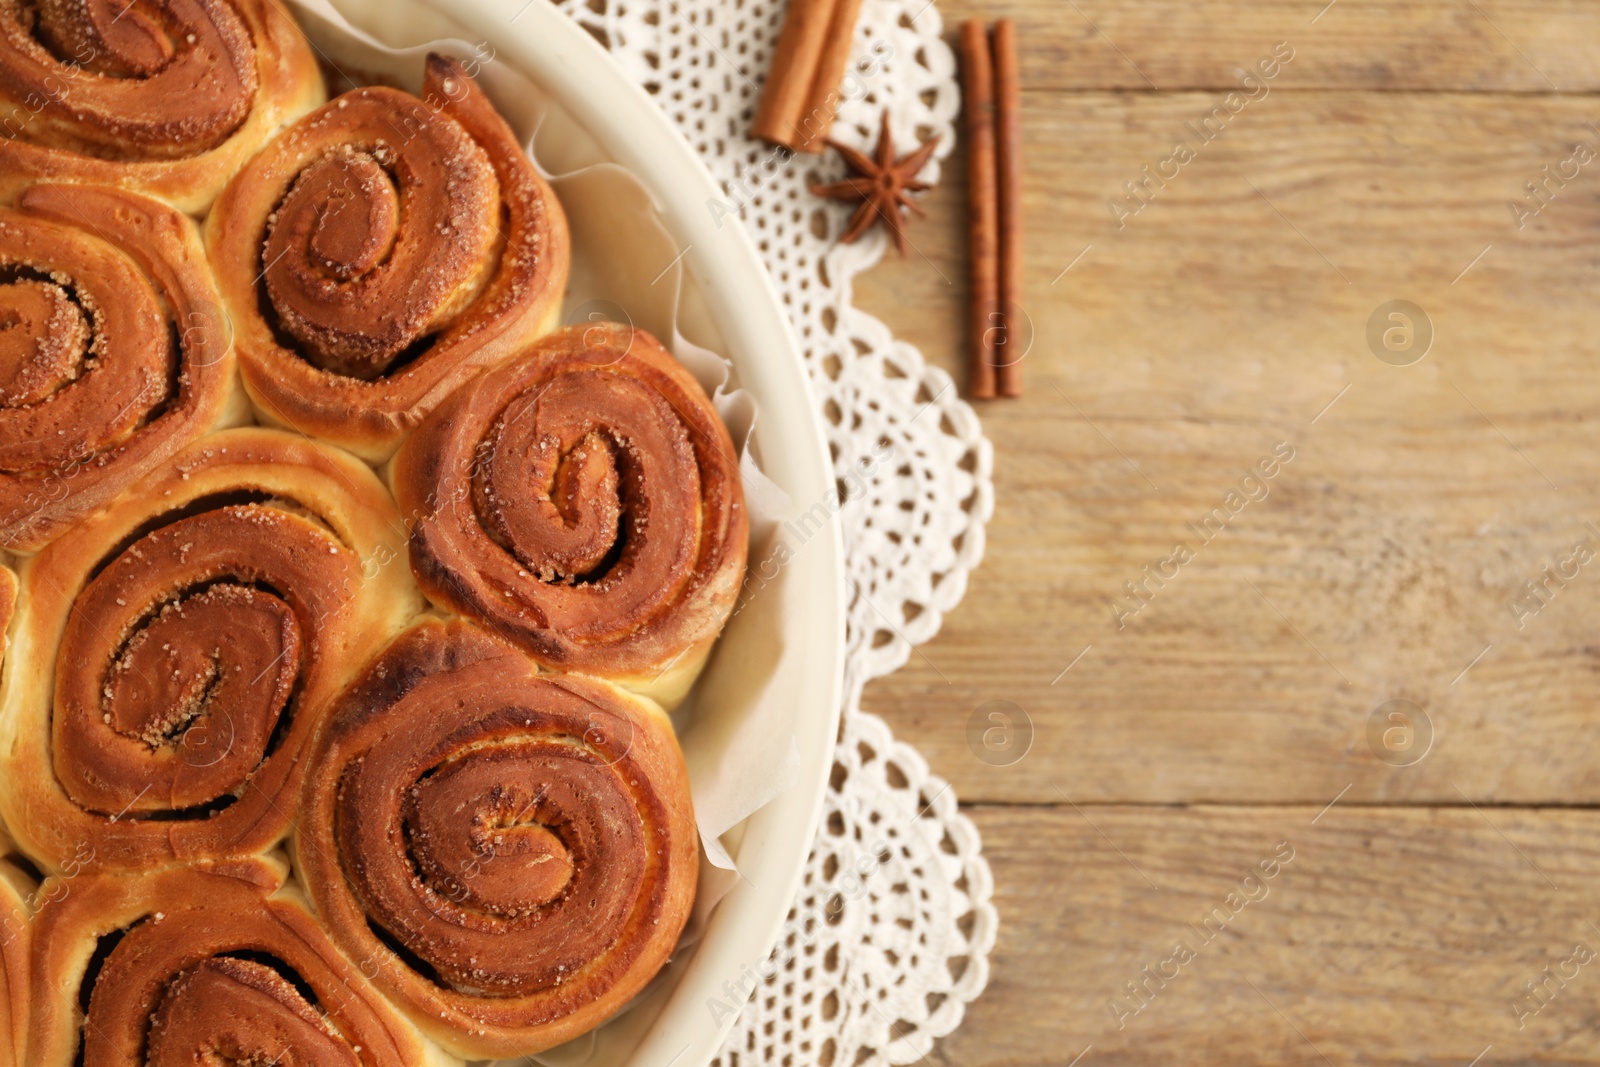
(883, 185)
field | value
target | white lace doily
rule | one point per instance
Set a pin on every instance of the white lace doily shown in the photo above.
(889, 938)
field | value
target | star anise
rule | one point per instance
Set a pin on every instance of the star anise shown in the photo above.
(883, 185)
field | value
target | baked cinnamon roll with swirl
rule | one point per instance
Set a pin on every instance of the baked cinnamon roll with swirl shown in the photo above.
(584, 502)
(171, 655)
(516, 850)
(161, 97)
(381, 252)
(218, 963)
(114, 352)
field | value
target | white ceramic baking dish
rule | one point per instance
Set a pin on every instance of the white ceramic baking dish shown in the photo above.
(682, 1020)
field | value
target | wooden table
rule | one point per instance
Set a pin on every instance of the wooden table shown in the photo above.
(1229, 720)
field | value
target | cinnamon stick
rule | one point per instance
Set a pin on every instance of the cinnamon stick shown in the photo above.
(786, 96)
(824, 97)
(983, 224)
(1008, 134)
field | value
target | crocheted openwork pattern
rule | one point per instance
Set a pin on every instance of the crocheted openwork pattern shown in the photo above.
(889, 938)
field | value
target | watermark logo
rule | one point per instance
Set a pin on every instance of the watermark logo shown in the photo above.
(1399, 333)
(1251, 489)
(209, 741)
(1537, 593)
(1143, 188)
(598, 318)
(1399, 733)
(1543, 987)
(609, 737)
(1011, 332)
(1140, 991)
(999, 733)
(1539, 194)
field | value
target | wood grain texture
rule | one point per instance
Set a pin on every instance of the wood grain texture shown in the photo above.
(1178, 351)
(1174, 347)
(1539, 46)
(1393, 936)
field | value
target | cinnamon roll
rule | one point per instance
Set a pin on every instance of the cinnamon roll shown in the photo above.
(584, 502)
(162, 97)
(171, 655)
(382, 251)
(114, 352)
(517, 850)
(218, 963)
(18, 894)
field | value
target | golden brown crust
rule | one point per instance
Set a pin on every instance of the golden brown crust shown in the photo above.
(170, 656)
(166, 100)
(527, 838)
(381, 252)
(8, 608)
(217, 963)
(116, 356)
(18, 896)
(584, 502)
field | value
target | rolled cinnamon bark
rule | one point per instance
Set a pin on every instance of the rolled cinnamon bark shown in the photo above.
(515, 851)
(171, 655)
(381, 252)
(801, 96)
(1008, 350)
(115, 354)
(218, 963)
(166, 98)
(983, 220)
(786, 96)
(825, 97)
(584, 502)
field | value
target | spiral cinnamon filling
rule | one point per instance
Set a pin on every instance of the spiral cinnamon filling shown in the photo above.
(181, 659)
(194, 632)
(356, 279)
(382, 251)
(585, 502)
(225, 1010)
(113, 351)
(203, 1007)
(529, 856)
(126, 79)
(520, 847)
(212, 965)
(44, 339)
(57, 327)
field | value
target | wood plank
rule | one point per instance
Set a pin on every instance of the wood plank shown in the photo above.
(1222, 319)
(1400, 936)
(1509, 45)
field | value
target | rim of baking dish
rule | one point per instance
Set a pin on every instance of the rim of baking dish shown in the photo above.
(630, 128)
